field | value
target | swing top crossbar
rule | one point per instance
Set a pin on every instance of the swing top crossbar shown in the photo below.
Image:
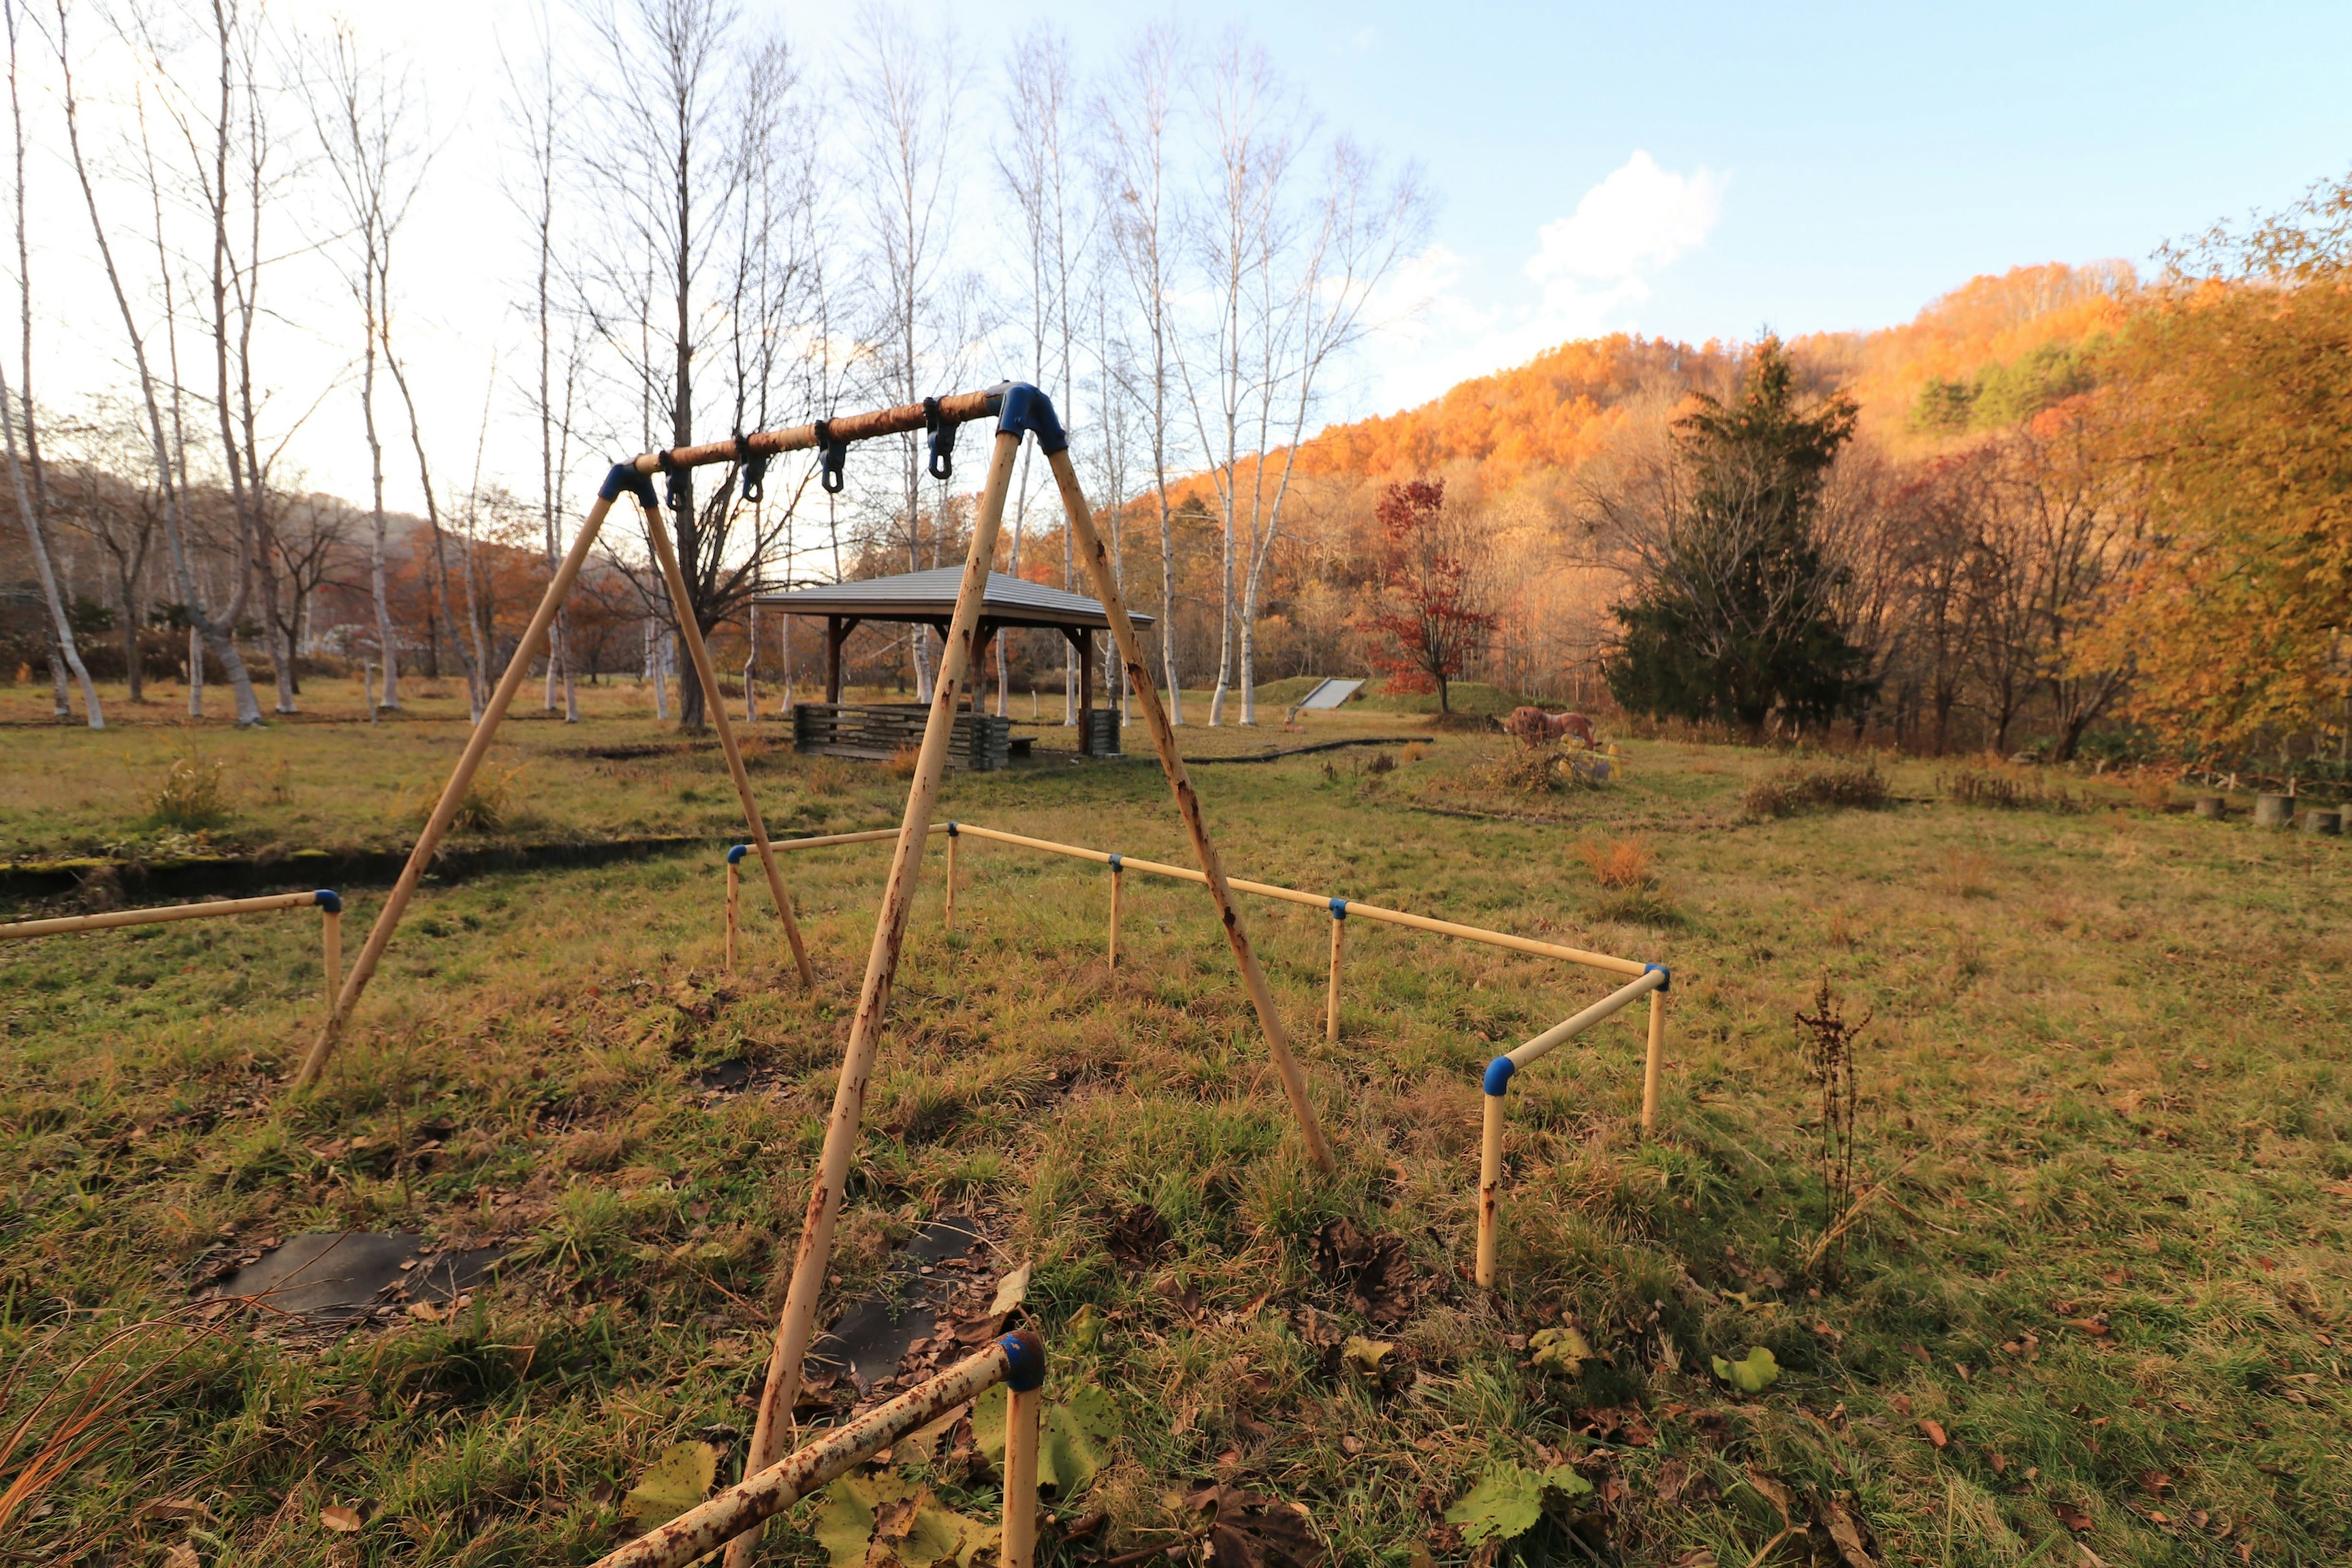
(959, 408)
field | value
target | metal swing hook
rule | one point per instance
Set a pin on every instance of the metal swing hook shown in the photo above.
(754, 466)
(677, 484)
(942, 436)
(830, 456)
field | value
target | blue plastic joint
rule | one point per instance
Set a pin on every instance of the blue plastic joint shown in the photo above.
(1668, 984)
(1339, 909)
(1026, 410)
(1113, 862)
(329, 900)
(1025, 1357)
(1499, 1075)
(735, 856)
(952, 831)
(624, 479)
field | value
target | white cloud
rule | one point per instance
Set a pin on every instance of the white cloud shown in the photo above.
(1590, 269)
(1640, 219)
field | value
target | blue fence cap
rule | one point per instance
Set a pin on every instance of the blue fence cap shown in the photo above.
(1026, 410)
(1025, 1355)
(1498, 1074)
(329, 900)
(735, 856)
(624, 479)
(1666, 984)
(1339, 909)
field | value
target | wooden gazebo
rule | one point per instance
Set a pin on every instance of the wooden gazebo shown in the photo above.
(928, 599)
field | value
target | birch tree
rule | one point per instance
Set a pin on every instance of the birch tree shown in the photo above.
(361, 114)
(26, 470)
(212, 630)
(1136, 113)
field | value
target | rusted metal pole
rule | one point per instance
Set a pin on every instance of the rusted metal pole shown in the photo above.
(798, 1322)
(1117, 880)
(1188, 804)
(1338, 947)
(62, 924)
(1490, 1187)
(331, 940)
(770, 1490)
(714, 703)
(734, 904)
(953, 836)
(461, 778)
(1021, 1409)
(1654, 1060)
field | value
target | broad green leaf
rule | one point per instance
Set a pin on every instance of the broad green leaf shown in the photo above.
(1562, 1478)
(1069, 1437)
(1360, 1354)
(919, 1532)
(1758, 1373)
(680, 1477)
(1084, 1331)
(1563, 1350)
(1503, 1506)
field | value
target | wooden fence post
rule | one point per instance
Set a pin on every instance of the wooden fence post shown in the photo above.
(1117, 880)
(1339, 946)
(1654, 1060)
(798, 1322)
(330, 939)
(734, 905)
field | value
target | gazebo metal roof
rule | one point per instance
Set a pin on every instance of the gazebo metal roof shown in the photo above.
(929, 598)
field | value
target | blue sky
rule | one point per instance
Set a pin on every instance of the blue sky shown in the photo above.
(1865, 158)
(1694, 171)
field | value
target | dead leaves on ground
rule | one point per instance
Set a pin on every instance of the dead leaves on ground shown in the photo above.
(1246, 1531)
(1371, 1272)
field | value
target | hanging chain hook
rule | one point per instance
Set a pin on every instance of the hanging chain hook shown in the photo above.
(830, 455)
(942, 435)
(754, 466)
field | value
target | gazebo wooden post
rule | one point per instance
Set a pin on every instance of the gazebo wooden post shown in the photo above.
(837, 632)
(1085, 692)
(1188, 804)
(797, 1325)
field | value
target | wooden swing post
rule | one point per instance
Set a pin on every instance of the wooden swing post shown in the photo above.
(1188, 804)
(798, 1323)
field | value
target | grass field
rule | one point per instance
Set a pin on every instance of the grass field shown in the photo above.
(2095, 1313)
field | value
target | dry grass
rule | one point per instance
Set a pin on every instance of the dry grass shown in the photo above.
(2121, 1218)
(1619, 865)
(1837, 785)
(905, 761)
(192, 794)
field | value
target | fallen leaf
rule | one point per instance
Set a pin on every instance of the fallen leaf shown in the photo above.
(1362, 1355)
(1011, 1291)
(339, 1519)
(1753, 1374)
(1246, 1531)
(180, 1555)
(680, 1477)
(887, 1522)
(1371, 1270)
(1509, 1499)
(1070, 1438)
(1850, 1535)
(2072, 1518)
(1137, 1238)
(1934, 1431)
(1563, 1349)
(172, 1511)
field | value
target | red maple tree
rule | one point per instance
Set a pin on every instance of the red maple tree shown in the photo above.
(1429, 618)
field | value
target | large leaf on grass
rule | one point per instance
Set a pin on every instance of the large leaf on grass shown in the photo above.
(1509, 1499)
(1070, 1436)
(680, 1477)
(1754, 1375)
(881, 1518)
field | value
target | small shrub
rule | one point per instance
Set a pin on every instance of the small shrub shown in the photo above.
(1381, 762)
(903, 760)
(829, 777)
(1826, 1042)
(192, 794)
(1544, 770)
(1415, 750)
(489, 804)
(2001, 792)
(1788, 791)
(1620, 864)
